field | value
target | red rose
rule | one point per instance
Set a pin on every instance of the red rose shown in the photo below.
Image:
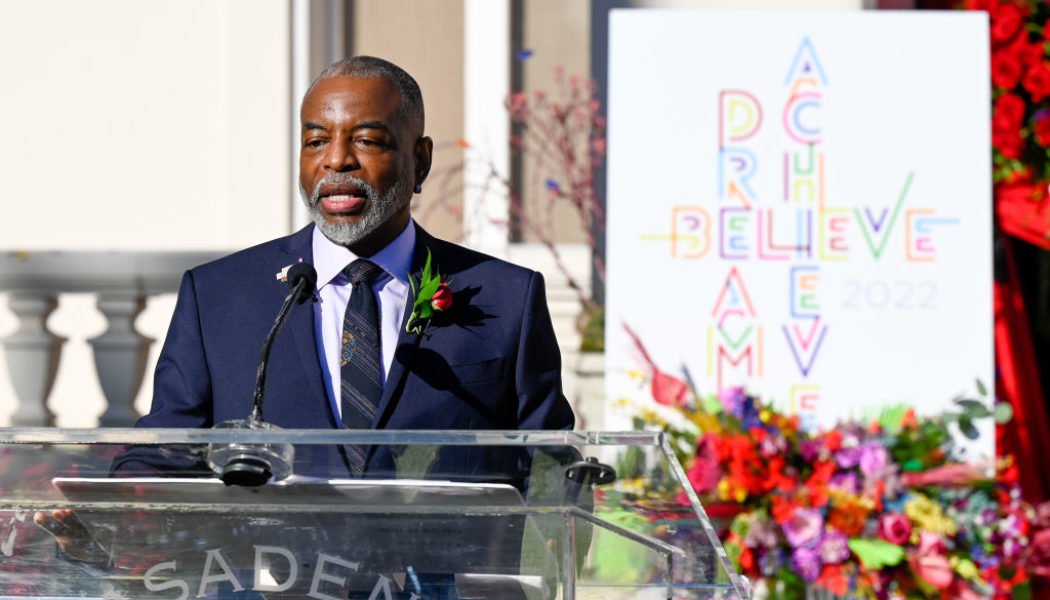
(1009, 112)
(1042, 130)
(442, 298)
(1008, 142)
(1006, 21)
(1037, 81)
(1027, 52)
(1006, 69)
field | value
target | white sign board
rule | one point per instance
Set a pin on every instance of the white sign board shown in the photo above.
(801, 204)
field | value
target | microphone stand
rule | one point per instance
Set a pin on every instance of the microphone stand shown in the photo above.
(254, 464)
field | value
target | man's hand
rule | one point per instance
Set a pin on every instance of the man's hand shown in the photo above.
(72, 537)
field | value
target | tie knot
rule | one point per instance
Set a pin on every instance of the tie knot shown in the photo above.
(362, 270)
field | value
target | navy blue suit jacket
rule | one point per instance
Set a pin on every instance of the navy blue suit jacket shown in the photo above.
(490, 362)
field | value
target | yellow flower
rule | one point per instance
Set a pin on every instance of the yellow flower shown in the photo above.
(723, 489)
(928, 515)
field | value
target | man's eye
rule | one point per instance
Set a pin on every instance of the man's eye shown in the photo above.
(368, 143)
(313, 143)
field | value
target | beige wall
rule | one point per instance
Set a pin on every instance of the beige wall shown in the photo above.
(424, 37)
(129, 124)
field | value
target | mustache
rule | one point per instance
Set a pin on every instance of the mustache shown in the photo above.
(342, 178)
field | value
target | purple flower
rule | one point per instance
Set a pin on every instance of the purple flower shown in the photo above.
(732, 399)
(761, 533)
(846, 481)
(807, 563)
(811, 450)
(804, 528)
(873, 459)
(834, 548)
(847, 458)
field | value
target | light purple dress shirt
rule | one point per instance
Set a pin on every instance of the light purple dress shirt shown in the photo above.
(333, 290)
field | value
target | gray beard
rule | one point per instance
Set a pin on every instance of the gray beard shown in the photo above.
(379, 211)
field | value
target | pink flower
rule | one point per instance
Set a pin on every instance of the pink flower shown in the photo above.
(704, 473)
(1038, 562)
(804, 528)
(895, 528)
(669, 390)
(442, 299)
(873, 459)
(1042, 515)
(732, 399)
(834, 548)
(929, 562)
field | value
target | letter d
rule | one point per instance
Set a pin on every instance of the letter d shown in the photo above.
(271, 584)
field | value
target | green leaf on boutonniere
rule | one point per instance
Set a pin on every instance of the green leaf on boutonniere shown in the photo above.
(423, 291)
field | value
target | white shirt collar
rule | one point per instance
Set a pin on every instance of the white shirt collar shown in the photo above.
(396, 258)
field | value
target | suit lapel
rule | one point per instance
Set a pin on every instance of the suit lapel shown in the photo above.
(301, 318)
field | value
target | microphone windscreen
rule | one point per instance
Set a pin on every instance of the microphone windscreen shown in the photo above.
(303, 271)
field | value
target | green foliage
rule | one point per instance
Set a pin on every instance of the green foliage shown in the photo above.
(594, 332)
(876, 554)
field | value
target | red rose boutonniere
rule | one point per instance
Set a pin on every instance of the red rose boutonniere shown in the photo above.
(432, 296)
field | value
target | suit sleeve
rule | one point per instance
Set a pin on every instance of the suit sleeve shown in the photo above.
(181, 397)
(181, 383)
(541, 402)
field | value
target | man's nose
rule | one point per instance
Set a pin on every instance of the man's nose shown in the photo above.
(339, 156)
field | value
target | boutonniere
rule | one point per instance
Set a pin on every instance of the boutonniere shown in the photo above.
(432, 296)
(282, 275)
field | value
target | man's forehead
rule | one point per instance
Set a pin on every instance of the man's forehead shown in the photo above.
(357, 93)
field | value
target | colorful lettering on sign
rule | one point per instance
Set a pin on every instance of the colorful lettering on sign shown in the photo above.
(735, 338)
(804, 401)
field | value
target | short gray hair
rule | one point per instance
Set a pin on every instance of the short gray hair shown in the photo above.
(369, 67)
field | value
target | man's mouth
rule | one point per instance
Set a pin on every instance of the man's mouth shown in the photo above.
(343, 204)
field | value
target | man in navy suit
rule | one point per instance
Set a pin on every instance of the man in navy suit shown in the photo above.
(490, 361)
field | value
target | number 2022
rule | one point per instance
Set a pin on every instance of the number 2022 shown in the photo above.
(881, 295)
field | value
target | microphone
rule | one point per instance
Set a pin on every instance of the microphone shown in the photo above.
(255, 464)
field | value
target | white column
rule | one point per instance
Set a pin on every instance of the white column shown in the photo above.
(301, 78)
(32, 357)
(486, 83)
(120, 356)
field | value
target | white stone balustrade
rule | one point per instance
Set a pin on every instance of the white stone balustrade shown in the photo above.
(122, 282)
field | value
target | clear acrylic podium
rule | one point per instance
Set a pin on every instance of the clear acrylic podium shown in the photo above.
(451, 514)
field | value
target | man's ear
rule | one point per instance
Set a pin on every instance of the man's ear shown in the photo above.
(424, 154)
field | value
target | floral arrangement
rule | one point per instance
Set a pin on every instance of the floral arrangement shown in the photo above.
(882, 509)
(1021, 114)
(1020, 87)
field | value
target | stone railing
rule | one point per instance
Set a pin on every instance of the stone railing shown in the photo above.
(122, 282)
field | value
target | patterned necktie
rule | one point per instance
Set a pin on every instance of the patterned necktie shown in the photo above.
(361, 370)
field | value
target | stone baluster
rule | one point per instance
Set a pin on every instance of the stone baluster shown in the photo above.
(120, 356)
(32, 357)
